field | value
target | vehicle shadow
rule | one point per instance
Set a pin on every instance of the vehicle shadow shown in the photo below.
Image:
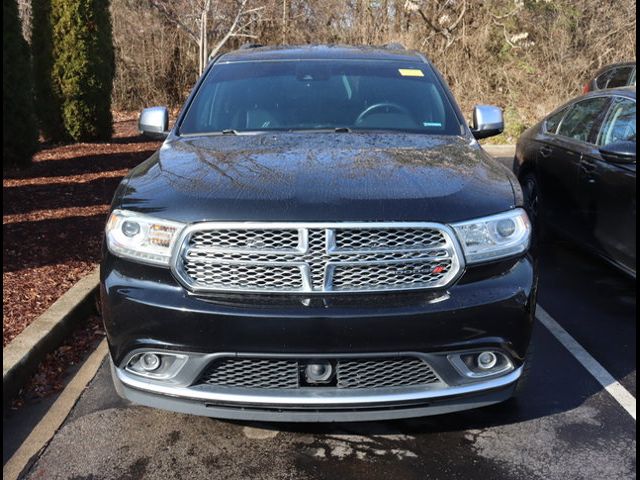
(27, 198)
(81, 165)
(42, 215)
(35, 244)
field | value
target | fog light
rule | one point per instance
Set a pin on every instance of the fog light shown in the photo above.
(319, 372)
(150, 362)
(156, 365)
(481, 364)
(487, 360)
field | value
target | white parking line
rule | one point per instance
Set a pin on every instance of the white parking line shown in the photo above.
(611, 385)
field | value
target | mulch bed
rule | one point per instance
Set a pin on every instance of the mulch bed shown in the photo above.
(53, 370)
(53, 214)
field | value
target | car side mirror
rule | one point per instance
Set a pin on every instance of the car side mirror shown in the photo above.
(619, 152)
(154, 122)
(487, 121)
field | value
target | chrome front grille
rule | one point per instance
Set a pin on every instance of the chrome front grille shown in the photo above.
(393, 274)
(269, 258)
(350, 373)
(246, 239)
(351, 239)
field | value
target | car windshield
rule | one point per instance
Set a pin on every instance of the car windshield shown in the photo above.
(320, 95)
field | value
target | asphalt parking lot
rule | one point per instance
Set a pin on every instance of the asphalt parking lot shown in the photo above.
(567, 426)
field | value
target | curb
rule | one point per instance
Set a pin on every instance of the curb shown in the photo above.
(55, 416)
(22, 356)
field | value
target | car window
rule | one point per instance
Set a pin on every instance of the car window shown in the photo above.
(620, 123)
(616, 77)
(620, 77)
(551, 123)
(603, 78)
(581, 119)
(318, 95)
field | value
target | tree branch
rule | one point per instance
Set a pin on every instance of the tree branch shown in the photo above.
(173, 19)
(453, 26)
(247, 35)
(446, 32)
(234, 30)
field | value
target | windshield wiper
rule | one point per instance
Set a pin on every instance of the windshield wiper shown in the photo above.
(320, 130)
(231, 131)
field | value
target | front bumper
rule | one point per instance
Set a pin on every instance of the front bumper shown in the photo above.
(144, 308)
(316, 408)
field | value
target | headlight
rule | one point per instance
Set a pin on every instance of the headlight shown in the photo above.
(494, 237)
(141, 238)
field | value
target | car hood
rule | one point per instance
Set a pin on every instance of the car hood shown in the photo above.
(318, 177)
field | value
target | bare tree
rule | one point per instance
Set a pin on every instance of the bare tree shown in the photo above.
(192, 17)
(239, 27)
(438, 16)
(526, 56)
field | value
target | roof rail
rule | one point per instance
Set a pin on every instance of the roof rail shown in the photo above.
(394, 46)
(247, 46)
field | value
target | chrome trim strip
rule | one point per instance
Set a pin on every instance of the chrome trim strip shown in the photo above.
(346, 263)
(278, 263)
(452, 244)
(318, 396)
(343, 251)
(397, 261)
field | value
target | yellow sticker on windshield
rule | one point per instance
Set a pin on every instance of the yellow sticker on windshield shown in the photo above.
(411, 72)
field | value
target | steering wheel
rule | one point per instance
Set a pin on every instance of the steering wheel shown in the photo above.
(377, 106)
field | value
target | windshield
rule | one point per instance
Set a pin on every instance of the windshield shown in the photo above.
(319, 95)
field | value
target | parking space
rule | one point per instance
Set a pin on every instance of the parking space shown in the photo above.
(567, 425)
(595, 305)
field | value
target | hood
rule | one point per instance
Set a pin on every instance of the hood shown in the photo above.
(318, 177)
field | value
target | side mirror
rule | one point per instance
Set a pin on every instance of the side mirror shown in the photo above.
(619, 152)
(154, 122)
(487, 121)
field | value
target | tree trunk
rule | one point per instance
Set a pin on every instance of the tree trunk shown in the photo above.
(397, 19)
(201, 50)
(284, 22)
(204, 49)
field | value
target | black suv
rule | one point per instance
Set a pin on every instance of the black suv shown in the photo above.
(319, 238)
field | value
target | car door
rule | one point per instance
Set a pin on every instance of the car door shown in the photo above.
(611, 189)
(558, 163)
